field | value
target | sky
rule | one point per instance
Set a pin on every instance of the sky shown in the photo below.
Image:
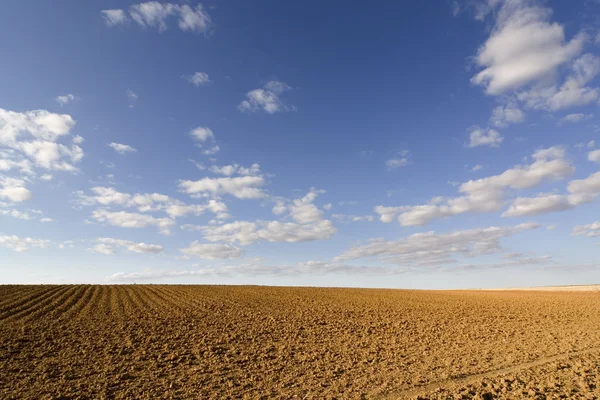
(389, 144)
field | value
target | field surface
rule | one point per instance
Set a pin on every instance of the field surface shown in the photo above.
(218, 342)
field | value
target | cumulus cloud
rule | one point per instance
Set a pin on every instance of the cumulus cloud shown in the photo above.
(235, 169)
(210, 251)
(524, 47)
(122, 148)
(589, 230)
(479, 137)
(133, 220)
(24, 166)
(65, 99)
(16, 214)
(13, 190)
(402, 160)
(199, 79)
(431, 249)
(594, 156)
(572, 118)
(114, 17)
(504, 115)
(202, 134)
(541, 204)
(109, 246)
(353, 218)
(149, 202)
(154, 14)
(31, 139)
(581, 191)
(486, 194)
(573, 92)
(308, 223)
(21, 245)
(242, 187)
(266, 99)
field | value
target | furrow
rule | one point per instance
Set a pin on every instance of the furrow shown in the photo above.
(138, 303)
(35, 306)
(50, 310)
(90, 308)
(81, 302)
(149, 298)
(27, 298)
(168, 299)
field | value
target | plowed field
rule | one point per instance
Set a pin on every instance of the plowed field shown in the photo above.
(217, 342)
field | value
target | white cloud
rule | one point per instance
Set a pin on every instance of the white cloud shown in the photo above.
(212, 151)
(132, 97)
(67, 243)
(235, 169)
(431, 249)
(478, 137)
(328, 206)
(594, 156)
(202, 134)
(572, 118)
(505, 115)
(13, 190)
(401, 161)
(476, 167)
(551, 227)
(114, 17)
(353, 218)
(46, 177)
(308, 224)
(23, 165)
(523, 47)
(46, 220)
(581, 191)
(200, 79)
(266, 99)
(16, 214)
(65, 99)
(109, 246)
(589, 230)
(572, 92)
(244, 232)
(103, 249)
(156, 15)
(486, 194)
(17, 244)
(541, 204)
(243, 187)
(133, 220)
(149, 202)
(31, 140)
(591, 144)
(122, 148)
(212, 251)
(310, 268)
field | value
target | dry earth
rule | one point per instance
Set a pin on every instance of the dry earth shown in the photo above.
(217, 342)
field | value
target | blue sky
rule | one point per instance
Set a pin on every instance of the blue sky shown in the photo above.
(287, 143)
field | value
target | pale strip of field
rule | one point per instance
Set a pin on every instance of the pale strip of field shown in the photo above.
(574, 288)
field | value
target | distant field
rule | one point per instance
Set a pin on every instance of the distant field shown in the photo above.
(572, 288)
(215, 342)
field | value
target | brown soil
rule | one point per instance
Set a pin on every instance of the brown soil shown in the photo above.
(215, 342)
